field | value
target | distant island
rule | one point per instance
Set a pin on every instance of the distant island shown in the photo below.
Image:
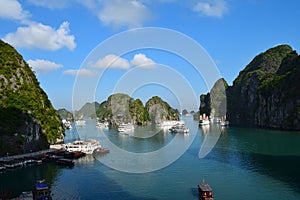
(121, 108)
(265, 94)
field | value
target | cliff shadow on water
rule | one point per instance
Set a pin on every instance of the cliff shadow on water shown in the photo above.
(20, 132)
(283, 168)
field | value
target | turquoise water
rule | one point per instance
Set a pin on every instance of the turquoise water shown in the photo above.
(244, 164)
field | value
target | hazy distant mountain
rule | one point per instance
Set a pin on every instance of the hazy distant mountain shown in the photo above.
(88, 109)
(65, 114)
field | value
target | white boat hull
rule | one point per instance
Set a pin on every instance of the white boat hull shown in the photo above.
(87, 147)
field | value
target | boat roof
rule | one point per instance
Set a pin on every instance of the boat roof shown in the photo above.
(204, 187)
(41, 186)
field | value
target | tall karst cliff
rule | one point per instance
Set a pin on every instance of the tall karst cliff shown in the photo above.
(267, 92)
(28, 121)
(213, 104)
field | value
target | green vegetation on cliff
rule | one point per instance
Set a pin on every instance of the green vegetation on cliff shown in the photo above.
(120, 108)
(160, 110)
(266, 92)
(27, 115)
(65, 114)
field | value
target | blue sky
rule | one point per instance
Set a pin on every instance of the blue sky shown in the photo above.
(57, 37)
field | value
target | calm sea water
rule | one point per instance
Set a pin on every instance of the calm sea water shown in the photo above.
(244, 164)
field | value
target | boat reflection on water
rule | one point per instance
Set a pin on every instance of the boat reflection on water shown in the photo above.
(205, 129)
(210, 136)
(86, 160)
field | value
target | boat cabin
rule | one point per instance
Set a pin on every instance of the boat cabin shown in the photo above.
(205, 191)
(41, 190)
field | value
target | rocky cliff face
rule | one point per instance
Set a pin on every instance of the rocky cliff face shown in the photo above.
(160, 110)
(121, 108)
(213, 104)
(266, 92)
(28, 122)
(279, 97)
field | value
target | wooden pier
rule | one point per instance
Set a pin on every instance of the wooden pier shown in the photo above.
(55, 154)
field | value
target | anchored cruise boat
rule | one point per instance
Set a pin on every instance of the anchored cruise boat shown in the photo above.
(102, 125)
(179, 128)
(87, 147)
(125, 127)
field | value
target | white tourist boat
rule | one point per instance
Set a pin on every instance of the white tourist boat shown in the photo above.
(68, 125)
(80, 122)
(87, 147)
(224, 123)
(179, 128)
(170, 123)
(102, 125)
(125, 127)
(204, 122)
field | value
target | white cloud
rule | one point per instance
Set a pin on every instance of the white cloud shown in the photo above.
(37, 35)
(115, 62)
(43, 66)
(52, 4)
(141, 60)
(90, 4)
(12, 9)
(112, 61)
(119, 13)
(79, 72)
(211, 8)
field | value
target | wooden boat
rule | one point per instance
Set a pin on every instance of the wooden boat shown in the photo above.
(41, 190)
(28, 195)
(101, 150)
(205, 191)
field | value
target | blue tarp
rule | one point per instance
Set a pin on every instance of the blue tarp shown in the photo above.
(40, 186)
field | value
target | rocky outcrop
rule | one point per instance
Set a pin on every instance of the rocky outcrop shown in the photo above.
(213, 104)
(279, 98)
(119, 108)
(266, 92)
(160, 110)
(28, 121)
